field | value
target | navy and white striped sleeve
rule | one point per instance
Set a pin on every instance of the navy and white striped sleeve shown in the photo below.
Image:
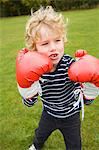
(30, 102)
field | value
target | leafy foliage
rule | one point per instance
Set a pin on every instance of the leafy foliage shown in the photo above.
(23, 7)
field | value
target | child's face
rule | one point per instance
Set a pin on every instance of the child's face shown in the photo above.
(50, 44)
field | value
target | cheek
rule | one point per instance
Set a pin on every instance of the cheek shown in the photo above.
(62, 49)
(42, 50)
(61, 53)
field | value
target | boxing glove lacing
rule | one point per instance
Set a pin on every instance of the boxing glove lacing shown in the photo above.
(80, 99)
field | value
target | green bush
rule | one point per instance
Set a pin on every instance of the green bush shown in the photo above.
(23, 7)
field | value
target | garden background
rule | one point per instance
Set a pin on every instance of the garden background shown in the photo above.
(18, 122)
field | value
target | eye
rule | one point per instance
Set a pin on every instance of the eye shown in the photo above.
(44, 44)
(57, 40)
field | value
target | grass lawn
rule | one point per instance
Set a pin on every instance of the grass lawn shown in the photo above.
(17, 122)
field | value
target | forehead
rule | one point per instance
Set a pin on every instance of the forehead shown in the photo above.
(47, 32)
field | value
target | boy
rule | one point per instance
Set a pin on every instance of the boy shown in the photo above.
(45, 34)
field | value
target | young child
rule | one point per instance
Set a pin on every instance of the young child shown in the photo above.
(46, 35)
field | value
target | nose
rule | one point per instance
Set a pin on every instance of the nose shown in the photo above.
(52, 47)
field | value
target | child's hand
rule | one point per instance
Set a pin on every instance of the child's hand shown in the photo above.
(86, 69)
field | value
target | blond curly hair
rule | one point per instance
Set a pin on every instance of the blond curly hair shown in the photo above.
(48, 16)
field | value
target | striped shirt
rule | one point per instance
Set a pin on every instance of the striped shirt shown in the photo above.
(58, 91)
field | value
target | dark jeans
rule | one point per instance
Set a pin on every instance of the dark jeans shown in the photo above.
(69, 127)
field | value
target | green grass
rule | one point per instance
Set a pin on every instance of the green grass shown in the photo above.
(17, 122)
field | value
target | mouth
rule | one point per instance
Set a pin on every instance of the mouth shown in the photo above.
(54, 56)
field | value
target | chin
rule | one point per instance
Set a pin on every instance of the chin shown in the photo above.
(56, 62)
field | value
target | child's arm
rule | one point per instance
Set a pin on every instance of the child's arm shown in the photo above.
(30, 66)
(30, 101)
(86, 69)
(30, 95)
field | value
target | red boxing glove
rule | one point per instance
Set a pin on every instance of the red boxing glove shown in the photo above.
(30, 66)
(86, 69)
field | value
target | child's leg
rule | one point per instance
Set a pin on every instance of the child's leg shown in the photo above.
(45, 128)
(71, 133)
